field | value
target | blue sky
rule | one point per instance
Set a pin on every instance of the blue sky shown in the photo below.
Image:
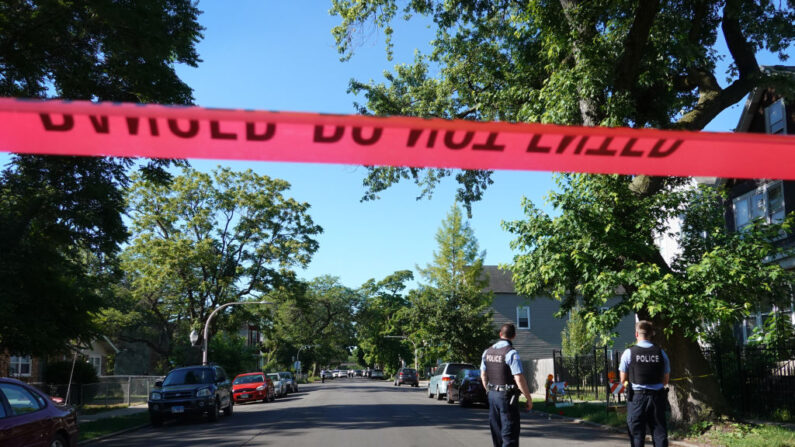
(273, 55)
(281, 56)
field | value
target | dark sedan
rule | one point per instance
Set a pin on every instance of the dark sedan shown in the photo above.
(31, 419)
(466, 388)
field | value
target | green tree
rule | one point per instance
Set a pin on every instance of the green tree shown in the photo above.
(576, 338)
(57, 210)
(607, 63)
(604, 62)
(379, 317)
(603, 241)
(319, 314)
(203, 241)
(450, 314)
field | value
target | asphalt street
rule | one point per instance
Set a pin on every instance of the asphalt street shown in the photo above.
(360, 412)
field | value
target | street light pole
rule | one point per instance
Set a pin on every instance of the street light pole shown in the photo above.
(212, 314)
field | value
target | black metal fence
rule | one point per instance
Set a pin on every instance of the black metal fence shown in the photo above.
(588, 374)
(756, 380)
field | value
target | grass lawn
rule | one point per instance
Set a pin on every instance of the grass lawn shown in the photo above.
(735, 434)
(91, 430)
(587, 411)
(94, 409)
(723, 434)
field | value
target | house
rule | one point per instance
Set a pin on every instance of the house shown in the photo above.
(538, 332)
(768, 200)
(31, 369)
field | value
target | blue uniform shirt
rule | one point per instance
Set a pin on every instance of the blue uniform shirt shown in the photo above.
(624, 366)
(511, 359)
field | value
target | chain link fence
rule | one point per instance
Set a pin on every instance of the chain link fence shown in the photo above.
(110, 390)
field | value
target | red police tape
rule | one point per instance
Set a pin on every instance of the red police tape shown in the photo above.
(134, 130)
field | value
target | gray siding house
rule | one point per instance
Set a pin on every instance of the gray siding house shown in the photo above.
(538, 332)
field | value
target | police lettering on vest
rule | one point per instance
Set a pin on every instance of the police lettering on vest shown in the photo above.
(497, 371)
(646, 365)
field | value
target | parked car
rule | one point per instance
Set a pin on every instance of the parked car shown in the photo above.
(191, 390)
(289, 382)
(279, 387)
(442, 376)
(408, 376)
(339, 373)
(377, 374)
(358, 373)
(326, 374)
(466, 387)
(252, 386)
(29, 417)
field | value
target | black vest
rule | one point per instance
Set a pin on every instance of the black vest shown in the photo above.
(646, 365)
(498, 372)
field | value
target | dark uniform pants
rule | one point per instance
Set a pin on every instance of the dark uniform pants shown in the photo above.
(647, 408)
(503, 419)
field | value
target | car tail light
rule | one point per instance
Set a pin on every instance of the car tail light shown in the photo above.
(447, 379)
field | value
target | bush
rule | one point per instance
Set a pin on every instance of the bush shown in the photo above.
(57, 373)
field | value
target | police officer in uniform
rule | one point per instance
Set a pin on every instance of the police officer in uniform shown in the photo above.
(648, 369)
(501, 373)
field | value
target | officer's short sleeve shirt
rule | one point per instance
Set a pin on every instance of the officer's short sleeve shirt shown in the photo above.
(626, 358)
(511, 359)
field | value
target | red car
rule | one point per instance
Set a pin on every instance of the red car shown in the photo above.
(30, 418)
(252, 386)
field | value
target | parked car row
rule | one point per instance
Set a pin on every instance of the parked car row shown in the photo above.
(457, 382)
(206, 390)
(338, 373)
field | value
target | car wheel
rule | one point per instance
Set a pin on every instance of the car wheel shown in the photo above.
(58, 441)
(465, 403)
(430, 394)
(155, 420)
(212, 413)
(228, 411)
(296, 388)
(438, 394)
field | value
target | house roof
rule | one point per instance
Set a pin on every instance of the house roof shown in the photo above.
(500, 281)
(750, 110)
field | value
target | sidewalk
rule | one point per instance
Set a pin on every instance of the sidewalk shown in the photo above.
(138, 408)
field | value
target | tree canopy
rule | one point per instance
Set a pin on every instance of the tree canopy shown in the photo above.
(61, 216)
(202, 241)
(450, 313)
(604, 62)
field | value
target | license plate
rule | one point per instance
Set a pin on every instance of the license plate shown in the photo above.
(244, 396)
(178, 409)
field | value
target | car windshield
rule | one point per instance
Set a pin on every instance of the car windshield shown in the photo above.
(189, 377)
(256, 378)
(409, 371)
(453, 368)
(274, 377)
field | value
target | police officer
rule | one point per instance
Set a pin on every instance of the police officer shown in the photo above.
(647, 367)
(501, 373)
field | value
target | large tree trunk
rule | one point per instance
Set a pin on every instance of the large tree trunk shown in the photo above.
(695, 393)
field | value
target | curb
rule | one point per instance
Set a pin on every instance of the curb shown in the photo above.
(110, 435)
(604, 427)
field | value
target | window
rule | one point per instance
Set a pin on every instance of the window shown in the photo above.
(20, 400)
(19, 366)
(523, 317)
(776, 118)
(253, 335)
(765, 202)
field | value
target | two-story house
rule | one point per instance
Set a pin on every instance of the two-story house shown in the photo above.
(767, 200)
(538, 332)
